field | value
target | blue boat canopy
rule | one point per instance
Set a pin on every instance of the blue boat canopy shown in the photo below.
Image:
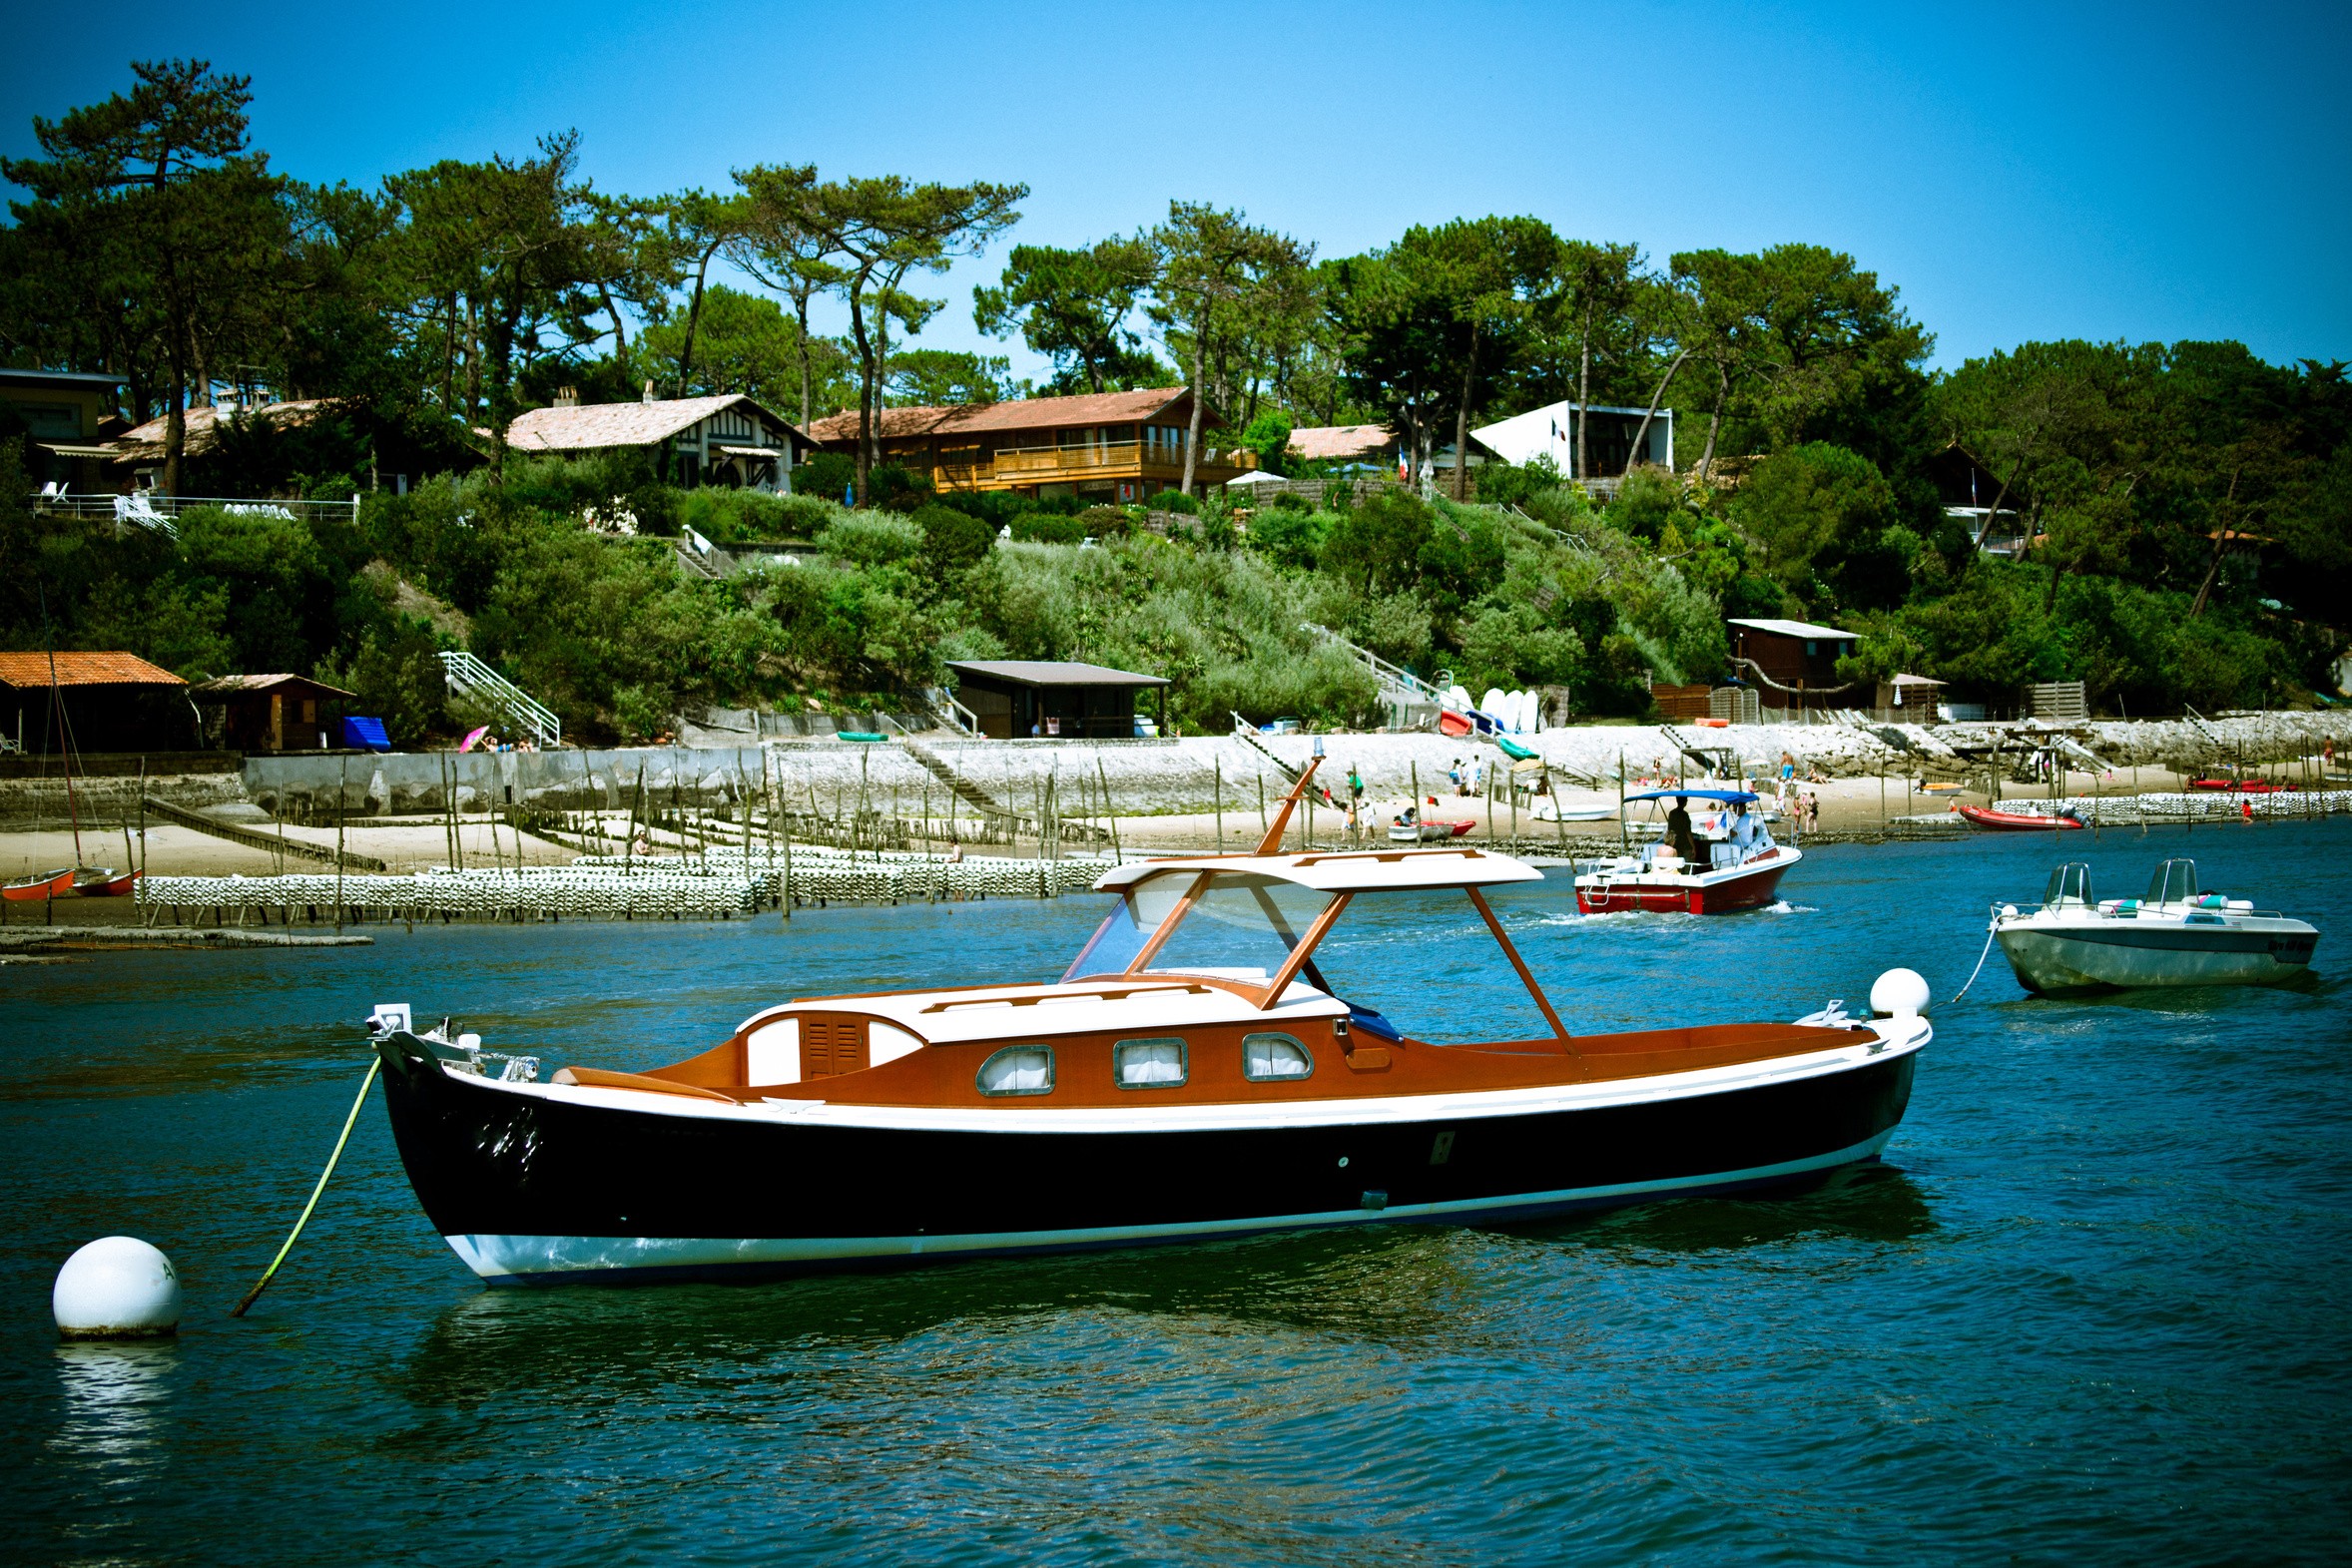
(1727, 797)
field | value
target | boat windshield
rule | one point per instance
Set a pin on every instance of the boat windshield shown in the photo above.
(1236, 927)
(2069, 884)
(2176, 881)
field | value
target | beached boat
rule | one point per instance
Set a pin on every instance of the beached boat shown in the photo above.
(1429, 830)
(1736, 867)
(1192, 1076)
(40, 885)
(2176, 935)
(2255, 786)
(2020, 821)
(101, 881)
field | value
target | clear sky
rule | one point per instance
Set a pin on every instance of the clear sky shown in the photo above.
(2149, 171)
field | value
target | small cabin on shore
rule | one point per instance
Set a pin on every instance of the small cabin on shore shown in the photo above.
(271, 713)
(91, 702)
(1796, 659)
(1047, 699)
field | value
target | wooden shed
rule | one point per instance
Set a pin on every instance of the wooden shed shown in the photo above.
(1795, 659)
(271, 713)
(1045, 698)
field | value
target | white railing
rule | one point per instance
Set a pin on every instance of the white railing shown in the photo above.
(160, 513)
(1398, 686)
(469, 678)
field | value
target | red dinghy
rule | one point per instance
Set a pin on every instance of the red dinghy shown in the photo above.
(2018, 821)
(40, 885)
(2242, 786)
(102, 881)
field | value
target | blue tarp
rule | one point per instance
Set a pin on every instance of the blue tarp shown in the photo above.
(366, 733)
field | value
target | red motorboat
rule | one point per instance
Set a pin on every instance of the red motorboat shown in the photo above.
(1740, 867)
(40, 885)
(2019, 822)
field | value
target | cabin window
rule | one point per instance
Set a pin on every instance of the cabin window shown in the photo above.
(1270, 1058)
(1150, 1064)
(1018, 1069)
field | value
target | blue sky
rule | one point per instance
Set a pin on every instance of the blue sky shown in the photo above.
(2107, 172)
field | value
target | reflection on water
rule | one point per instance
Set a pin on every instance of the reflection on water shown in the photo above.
(2090, 1309)
(114, 1403)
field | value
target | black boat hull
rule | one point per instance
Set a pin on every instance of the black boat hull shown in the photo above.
(533, 1188)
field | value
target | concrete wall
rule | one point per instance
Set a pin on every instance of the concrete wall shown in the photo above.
(1146, 776)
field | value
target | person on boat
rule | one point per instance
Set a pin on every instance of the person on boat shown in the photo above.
(1742, 833)
(1678, 833)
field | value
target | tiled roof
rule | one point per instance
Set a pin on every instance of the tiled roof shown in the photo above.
(594, 425)
(1027, 413)
(24, 670)
(1326, 442)
(146, 442)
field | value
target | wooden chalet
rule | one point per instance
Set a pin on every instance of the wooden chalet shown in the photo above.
(1104, 446)
(732, 443)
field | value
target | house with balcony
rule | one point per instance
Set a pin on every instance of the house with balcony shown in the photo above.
(1101, 446)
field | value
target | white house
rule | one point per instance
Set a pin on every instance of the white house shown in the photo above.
(1551, 431)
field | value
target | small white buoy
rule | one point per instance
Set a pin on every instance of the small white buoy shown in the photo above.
(117, 1288)
(1899, 993)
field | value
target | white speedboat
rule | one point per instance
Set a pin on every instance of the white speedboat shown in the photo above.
(2176, 935)
(1729, 863)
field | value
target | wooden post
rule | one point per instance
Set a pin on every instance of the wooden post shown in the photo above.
(1260, 804)
(1119, 855)
(784, 890)
(141, 815)
(1624, 832)
(1219, 798)
(344, 774)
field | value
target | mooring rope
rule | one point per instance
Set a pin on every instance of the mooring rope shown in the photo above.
(1991, 928)
(263, 1283)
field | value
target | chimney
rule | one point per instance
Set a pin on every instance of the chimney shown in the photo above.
(567, 397)
(649, 397)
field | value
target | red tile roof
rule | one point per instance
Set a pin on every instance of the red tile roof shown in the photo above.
(24, 670)
(1027, 413)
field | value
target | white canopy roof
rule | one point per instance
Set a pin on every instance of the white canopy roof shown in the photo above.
(1347, 871)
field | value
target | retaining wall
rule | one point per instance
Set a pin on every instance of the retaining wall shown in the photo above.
(1154, 776)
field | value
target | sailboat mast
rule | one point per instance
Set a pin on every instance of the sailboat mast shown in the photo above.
(65, 752)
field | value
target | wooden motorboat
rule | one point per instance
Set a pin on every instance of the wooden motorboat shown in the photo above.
(40, 885)
(1193, 1075)
(2176, 935)
(2019, 822)
(1736, 867)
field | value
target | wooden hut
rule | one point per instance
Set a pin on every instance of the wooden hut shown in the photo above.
(272, 713)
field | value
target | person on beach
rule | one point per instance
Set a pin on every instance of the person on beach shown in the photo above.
(1454, 776)
(1788, 778)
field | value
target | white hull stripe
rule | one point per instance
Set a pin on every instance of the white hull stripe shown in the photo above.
(512, 1259)
(1370, 1111)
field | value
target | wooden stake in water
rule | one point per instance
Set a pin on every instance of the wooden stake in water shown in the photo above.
(1219, 798)
(340, 789)
(1118, 856)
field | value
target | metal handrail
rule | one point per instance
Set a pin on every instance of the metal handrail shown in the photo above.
(469, 677)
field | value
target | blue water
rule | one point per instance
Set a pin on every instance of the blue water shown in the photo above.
(2093, 1307)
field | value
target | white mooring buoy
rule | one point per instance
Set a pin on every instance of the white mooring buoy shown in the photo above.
(117, 1288)
(1899, 993)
